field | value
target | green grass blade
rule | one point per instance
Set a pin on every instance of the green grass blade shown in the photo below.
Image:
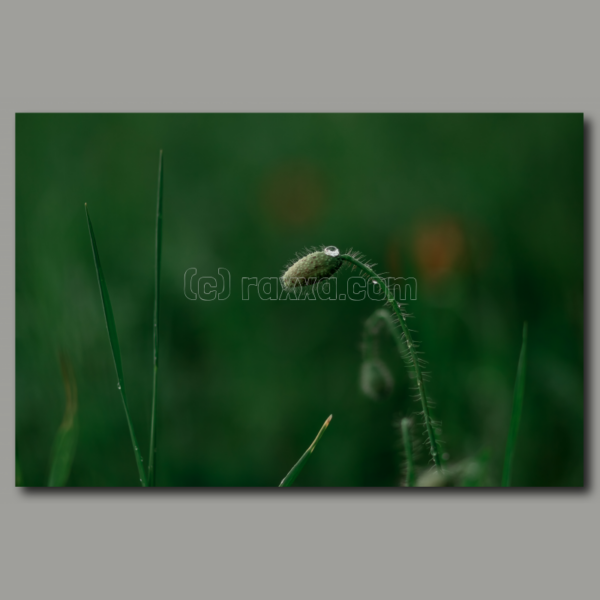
(65, 443)
(408, 450)
(291, 476)
(157, 260)
(114, 344)
(516, 412)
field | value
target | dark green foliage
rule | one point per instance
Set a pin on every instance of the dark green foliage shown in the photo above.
(485, 211)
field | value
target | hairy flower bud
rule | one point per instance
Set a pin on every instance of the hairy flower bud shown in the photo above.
(312, 268)
(376, 381)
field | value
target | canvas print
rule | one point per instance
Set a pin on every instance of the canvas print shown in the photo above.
(300, 300)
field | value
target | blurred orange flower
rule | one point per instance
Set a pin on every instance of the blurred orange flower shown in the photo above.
(438, 248)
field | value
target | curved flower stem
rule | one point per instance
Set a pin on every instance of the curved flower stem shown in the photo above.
(412, 351)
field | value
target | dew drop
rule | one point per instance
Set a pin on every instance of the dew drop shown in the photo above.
(118, 386)
(331, 251)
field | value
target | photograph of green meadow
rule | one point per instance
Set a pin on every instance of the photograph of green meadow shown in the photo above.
(306, 300)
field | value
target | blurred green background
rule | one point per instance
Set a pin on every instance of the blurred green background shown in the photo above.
(486, 211)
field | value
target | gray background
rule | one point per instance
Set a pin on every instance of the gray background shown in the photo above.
(280, 56)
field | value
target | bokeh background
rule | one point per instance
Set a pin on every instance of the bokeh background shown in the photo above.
(485, 211)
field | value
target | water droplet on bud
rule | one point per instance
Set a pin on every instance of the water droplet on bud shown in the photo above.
(331, 251)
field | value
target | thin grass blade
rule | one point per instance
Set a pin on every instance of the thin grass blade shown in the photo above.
(114, 344)
(295, 471)
(157, 261)
(516, 412)
(65, 443)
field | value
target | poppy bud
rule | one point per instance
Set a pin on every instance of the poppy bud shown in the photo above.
(312, 268)
(376, 381)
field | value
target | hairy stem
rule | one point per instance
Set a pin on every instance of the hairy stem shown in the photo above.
(410, 467)
(433, 445)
